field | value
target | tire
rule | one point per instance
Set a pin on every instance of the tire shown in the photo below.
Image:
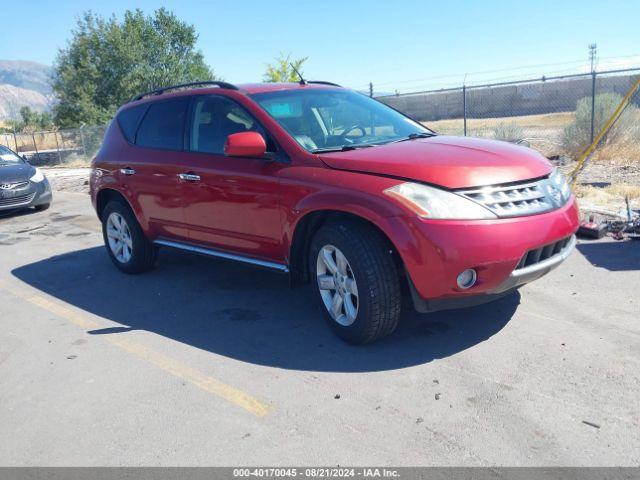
(42, 207)
(142, 253)
(369, 263)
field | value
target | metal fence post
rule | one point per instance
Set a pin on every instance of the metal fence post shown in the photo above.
(33, 137)
(55, 135)
(84, 147)
(464, 108)
(593, 104)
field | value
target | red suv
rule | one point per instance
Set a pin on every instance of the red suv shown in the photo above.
(333, 188)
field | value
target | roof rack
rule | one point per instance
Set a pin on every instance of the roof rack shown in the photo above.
(162, 90)
(321, 82)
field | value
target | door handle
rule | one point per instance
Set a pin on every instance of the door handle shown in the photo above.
(127, 171)
(189, 177)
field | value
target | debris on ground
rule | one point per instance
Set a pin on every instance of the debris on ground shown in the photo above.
(337, 397)
(591, 229)
(437, 396)
(591, 424)
(619, 225)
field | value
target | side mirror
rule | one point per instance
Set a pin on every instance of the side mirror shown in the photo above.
(245, 144)
(24, 157)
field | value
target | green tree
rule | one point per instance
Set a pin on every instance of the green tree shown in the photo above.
(108, 61)
(31, 121)
(281, 70)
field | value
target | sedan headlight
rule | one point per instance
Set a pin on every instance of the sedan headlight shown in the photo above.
(559, 181)
(430, 202)
(37, 177)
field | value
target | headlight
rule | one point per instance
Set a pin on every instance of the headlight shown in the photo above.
(560, 182)
(38, 176)
(430, 202)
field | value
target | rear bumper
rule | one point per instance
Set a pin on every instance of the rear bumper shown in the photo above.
(435, 252)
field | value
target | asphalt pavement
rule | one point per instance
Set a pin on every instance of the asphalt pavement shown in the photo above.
(207, 362)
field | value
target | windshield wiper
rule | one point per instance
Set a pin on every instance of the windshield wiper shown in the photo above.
(344, 148)
(413, 136)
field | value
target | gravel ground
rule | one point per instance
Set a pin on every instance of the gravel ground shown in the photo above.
(68, 179)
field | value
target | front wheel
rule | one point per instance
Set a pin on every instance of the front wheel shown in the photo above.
(126, 243)
(357, 281)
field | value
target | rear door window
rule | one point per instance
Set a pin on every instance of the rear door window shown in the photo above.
(163, 125)
(129, 120)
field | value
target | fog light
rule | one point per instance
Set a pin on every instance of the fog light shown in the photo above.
(467, 278)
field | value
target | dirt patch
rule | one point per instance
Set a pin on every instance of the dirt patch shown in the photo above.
(68, 179)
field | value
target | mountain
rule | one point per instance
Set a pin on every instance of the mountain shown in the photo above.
(24, 74)
(23, 83)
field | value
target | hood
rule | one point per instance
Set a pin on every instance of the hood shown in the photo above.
(14, 173)
(451, 162)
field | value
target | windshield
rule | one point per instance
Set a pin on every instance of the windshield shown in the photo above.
(323, 120)
(7, 157)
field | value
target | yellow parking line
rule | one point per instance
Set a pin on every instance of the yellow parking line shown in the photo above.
(168, 364)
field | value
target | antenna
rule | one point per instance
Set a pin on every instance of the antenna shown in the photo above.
(302, 80)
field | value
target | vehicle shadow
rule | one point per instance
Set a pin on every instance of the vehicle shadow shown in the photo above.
(612, 255)
(18, 212)
(249, 314)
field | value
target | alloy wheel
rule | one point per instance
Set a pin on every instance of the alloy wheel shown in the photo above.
(119, 237)
(337, 285)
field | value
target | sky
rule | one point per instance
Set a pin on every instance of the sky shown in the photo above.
(397, 45)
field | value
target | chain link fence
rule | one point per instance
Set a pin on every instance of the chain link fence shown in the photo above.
(559, 116)
(70, 147)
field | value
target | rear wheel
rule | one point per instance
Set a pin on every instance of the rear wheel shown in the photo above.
(357, 281)
(125, 241)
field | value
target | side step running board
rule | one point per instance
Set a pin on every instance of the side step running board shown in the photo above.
(229, 256)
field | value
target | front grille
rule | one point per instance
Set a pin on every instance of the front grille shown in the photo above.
(17, 201)
(516, 200)
(13, 186)
(537, 255)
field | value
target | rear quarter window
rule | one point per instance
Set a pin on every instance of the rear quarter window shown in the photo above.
(163, 125)
(129, 120)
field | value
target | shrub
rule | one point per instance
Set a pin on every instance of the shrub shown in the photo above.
(508, 131)
(577, 135)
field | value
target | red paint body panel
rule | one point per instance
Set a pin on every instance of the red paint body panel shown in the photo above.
(451, 162)
(251, 206)
(436, 251)
(236, 206)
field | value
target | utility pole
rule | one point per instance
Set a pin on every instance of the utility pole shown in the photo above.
(593, 49)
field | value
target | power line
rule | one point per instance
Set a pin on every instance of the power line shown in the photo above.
(481, 72)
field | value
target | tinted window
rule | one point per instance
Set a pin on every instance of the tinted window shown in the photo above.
(214, 119)
(129, 120)
(163, 125)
